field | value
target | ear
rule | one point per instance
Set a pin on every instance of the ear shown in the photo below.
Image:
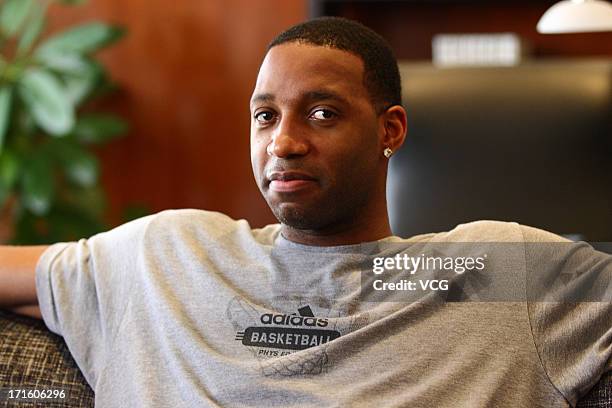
(394, 128)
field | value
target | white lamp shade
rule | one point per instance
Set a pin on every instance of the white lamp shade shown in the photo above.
(576, 16)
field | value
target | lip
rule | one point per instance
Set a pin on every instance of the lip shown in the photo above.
(289, 181)
(288, 186)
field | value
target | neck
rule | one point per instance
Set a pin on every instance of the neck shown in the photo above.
(357, 230)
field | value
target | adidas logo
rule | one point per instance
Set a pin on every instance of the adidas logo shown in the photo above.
(305, 318)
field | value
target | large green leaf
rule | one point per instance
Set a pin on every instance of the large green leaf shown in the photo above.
(13, 14)
(37, 185)
(79, 88)
(9, 170)
(5, 110)
(98, 128)
(47, 101)
(81, 75)
(67, 63)
(82, 39)
(80, 85)
(81, 167)
(32, 29)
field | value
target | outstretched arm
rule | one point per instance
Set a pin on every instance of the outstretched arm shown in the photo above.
(18, 278)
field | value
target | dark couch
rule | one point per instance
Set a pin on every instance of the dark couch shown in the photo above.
(33, 357)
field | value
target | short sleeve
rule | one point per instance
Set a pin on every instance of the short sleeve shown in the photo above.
(572, 323)
(84, 287)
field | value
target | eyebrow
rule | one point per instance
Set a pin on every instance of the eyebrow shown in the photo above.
(324, 95)
(311, 96)
(266, 97)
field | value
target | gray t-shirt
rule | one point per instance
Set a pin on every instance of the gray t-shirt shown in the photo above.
(191, 308)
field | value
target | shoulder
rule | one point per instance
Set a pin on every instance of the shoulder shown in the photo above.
(207, 226)
(496, 231)
(482, 231)
(193, 219)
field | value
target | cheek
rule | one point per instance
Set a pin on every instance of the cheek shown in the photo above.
(259, 157)
(360, 151)
(361, 165)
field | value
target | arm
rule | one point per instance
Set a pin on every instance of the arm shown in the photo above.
(18, 278)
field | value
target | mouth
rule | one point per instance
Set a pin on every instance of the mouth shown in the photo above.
(289, 181)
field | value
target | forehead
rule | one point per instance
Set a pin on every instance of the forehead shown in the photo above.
(292, 71)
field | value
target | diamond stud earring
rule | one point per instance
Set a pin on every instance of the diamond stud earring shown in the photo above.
(388, 152)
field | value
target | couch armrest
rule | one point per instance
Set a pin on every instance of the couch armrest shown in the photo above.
(33, 357)
(601, 394)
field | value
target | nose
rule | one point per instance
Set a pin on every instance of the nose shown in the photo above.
(287, 141)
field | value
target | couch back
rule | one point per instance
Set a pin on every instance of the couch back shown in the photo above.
(33, 357)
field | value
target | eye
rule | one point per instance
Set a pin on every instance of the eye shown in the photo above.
(264, 117)
(323, 114)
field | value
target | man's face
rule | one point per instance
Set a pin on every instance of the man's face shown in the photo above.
(314, 136)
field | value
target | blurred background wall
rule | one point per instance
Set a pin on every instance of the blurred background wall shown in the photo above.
(409, 25)
(186, 70)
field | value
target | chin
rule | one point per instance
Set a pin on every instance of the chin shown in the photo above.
(298, 217)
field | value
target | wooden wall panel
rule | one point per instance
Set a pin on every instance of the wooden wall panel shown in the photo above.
(186, 70)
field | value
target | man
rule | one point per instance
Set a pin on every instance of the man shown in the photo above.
(191, 308)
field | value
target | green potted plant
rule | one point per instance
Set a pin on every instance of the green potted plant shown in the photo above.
(49, 187)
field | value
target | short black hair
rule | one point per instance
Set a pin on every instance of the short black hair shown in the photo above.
(381, 75)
